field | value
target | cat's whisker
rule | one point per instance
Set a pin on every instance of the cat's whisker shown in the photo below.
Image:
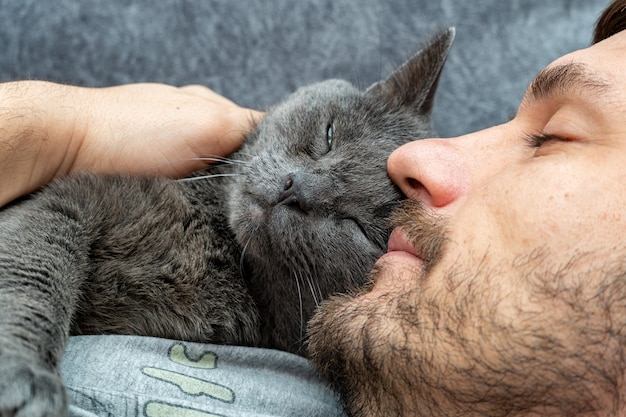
(243, 251)
(302, 324)
(225, 158)
(315, 299)
(203, 177)
(227, 161)
(319, 291)
(317, 284)
(249, 155)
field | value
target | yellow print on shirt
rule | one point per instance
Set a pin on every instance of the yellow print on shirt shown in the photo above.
(188, 384)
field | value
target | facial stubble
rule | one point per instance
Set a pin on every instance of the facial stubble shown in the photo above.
(477, 347)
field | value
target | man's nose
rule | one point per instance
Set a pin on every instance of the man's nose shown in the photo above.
(440, 171)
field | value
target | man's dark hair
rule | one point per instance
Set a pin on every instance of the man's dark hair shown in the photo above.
(612, 21)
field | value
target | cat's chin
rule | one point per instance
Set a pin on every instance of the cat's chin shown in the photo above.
(256, 213)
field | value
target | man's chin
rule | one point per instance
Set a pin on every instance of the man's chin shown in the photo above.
(342, 342)
(328, 332)
(332, 337)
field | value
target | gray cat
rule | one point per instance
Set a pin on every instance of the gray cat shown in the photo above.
(239, 254)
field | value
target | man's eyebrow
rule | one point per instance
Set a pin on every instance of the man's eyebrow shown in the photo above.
(559, 80)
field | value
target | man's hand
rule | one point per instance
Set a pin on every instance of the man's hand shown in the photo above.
(49, 130)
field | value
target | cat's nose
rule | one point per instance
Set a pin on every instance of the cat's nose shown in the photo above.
(288, 195)
(297, 192)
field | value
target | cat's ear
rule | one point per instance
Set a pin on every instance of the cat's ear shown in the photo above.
(415, 82)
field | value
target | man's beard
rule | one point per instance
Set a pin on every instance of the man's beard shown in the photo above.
(467, 344)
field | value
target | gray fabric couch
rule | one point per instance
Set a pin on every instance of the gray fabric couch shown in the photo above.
(257, 51)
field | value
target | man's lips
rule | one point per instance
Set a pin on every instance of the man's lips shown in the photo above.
(400, 254)
(398, 242)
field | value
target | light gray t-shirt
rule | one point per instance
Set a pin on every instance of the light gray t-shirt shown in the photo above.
(126, 376)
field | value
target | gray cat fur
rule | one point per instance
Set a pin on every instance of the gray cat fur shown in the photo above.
(237, 259)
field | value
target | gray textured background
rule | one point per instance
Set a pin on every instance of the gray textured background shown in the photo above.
(257, 51)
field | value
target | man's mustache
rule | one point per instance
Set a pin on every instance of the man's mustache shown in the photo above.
(425, 230)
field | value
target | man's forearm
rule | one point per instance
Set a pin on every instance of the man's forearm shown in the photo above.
(36, 131)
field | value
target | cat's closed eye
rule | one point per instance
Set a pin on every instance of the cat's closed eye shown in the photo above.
(330, 135)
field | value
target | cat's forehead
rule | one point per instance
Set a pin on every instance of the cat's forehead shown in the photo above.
(318, 96)
(325, 90)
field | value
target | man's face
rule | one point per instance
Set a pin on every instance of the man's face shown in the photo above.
(504, 292)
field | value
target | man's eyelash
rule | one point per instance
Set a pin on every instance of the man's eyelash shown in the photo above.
(538, 139)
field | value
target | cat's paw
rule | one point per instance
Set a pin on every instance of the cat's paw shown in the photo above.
(29, 390)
